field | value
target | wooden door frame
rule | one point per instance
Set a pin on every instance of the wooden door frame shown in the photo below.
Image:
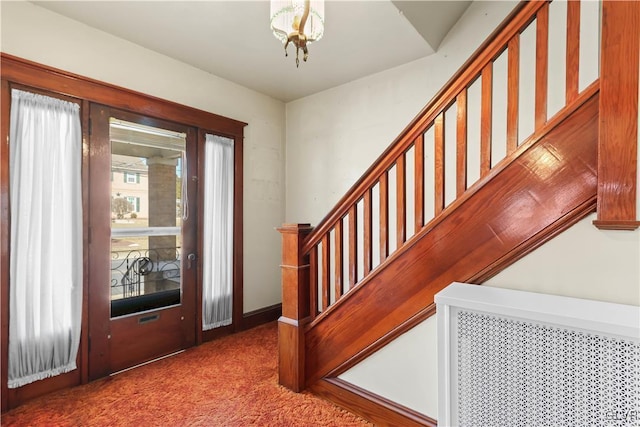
(64, 84)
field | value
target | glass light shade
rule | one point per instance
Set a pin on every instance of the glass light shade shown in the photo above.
(284, 13)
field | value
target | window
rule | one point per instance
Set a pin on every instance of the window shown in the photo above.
(134, 202)
(131, 178)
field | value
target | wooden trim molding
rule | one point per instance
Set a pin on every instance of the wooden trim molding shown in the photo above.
(618, 139)
(18, 70)
(617, 224)
(372, 407)
(4, 240)
(261, 316)
(249, 320)
(238, 231)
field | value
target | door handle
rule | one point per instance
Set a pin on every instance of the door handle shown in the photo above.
(190, 258)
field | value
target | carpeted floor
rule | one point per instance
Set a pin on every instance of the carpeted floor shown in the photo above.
(228, 382)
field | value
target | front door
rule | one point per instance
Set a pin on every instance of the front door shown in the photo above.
(142, 296)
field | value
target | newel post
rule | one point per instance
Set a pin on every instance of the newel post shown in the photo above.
(295, 306)
(618, 139)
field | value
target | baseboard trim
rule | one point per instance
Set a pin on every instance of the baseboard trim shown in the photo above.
(370, 406)
(261, 316)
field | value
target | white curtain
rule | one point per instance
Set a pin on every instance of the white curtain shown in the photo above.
(45, 290)
(217, 256)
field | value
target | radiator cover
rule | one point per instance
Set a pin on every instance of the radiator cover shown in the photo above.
(513, 358)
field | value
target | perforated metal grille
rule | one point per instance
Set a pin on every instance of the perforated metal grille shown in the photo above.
(516, 373)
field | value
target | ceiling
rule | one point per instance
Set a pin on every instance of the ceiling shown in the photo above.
(232, 39)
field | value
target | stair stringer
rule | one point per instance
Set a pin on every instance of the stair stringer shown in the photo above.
(549, 187)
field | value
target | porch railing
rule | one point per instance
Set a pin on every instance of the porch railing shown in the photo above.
(139, 272)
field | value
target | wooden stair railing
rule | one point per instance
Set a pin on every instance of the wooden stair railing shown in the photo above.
(388, 211)
(519, 209)
(549, 187)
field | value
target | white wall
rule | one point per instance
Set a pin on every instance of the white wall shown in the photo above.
(334, 136)
(34, 33)
(403, 371)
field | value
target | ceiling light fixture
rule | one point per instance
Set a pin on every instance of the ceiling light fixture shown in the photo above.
(290, 18)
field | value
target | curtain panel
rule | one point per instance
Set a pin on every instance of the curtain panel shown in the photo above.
(217, 256)
(45, 278)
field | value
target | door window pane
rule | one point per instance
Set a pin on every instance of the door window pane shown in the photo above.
(146, 217)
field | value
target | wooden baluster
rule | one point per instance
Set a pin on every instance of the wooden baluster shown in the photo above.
(384, 216)
(438, 190)
(618, 132)
(353, 246)
(339, 264)
(486, 119)
(542, 66)
(513, 88)
(326, 268)
(368, 231)
(313, 282)
(401, 203)
(573, 50)
(296, 284)
(418, 185)
(461, 144)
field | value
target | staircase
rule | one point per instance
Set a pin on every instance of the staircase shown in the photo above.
(369, 270)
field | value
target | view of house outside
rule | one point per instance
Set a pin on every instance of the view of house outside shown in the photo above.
(130, 199)
(146, 211)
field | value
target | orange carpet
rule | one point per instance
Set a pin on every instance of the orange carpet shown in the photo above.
(228, 382)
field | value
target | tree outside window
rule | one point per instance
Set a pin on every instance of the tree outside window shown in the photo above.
(120, 206)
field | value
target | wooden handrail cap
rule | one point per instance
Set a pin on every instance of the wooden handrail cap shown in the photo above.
(295, 228)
